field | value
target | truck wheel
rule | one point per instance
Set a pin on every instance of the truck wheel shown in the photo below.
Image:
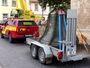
(33, 51)
(10, 38)
(2, 36)
(41, 56)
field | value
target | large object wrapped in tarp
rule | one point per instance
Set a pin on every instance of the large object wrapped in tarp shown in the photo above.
(50, 36)
(49, 31)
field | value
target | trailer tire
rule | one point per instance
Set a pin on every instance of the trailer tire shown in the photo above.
(41, 56)
(33, 50)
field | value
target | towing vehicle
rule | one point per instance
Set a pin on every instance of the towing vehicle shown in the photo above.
(19, 29)
(59, 40)
(21, 23)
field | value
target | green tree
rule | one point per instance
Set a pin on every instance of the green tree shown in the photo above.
(55, 4)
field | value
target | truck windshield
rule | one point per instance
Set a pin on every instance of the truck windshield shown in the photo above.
(26, 23)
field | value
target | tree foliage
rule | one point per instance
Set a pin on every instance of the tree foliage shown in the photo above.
(55, 4)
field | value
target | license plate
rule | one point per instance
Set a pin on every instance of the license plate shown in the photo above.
(71, 52)
(28, 35)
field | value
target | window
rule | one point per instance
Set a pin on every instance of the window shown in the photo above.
(5, 16)
(14, 22)
(36, 7)
(26, 23)
(4, 2)
(9, 22)
(13, 3)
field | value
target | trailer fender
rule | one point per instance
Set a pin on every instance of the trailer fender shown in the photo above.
(46, 48)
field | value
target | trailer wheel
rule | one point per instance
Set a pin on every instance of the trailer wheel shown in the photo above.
(41, 56)
(33, 51)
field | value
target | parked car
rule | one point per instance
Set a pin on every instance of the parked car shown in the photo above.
(19, 29)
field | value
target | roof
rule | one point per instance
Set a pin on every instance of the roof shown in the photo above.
(21, 19)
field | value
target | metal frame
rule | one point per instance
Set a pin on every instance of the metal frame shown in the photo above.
(68, 45)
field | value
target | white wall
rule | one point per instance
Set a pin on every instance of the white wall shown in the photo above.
(5, 9)
(39, 12)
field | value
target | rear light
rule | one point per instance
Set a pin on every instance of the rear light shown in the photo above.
(59, 55)
(36, 34)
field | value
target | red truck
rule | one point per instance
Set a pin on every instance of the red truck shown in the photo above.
(19, 29)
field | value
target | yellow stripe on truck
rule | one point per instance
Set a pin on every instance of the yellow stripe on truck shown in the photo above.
(8, 28)
(12, 28)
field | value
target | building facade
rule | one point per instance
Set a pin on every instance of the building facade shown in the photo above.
(83, 9)
(36, 8)
(5, 8)
(7, 5)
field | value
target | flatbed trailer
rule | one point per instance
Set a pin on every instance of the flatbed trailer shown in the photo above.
(66, 48)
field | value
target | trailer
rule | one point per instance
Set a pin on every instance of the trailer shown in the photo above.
(59, 40)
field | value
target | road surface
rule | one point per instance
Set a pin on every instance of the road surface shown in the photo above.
(18, 56)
